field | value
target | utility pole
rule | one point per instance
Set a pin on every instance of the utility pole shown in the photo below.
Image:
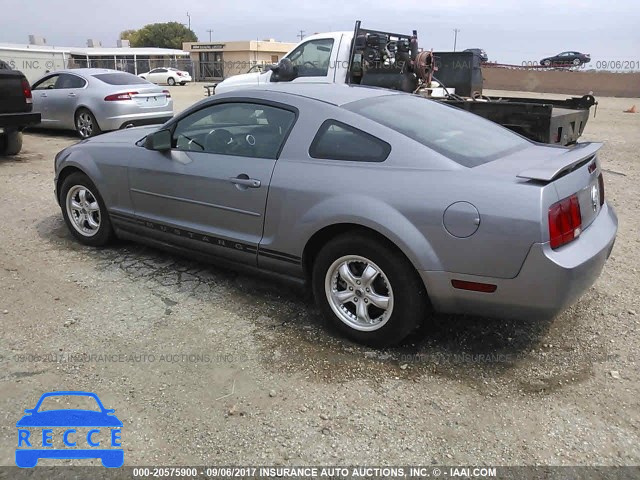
(210, 32)
(300, 35)
(189, 17)
(455, 38)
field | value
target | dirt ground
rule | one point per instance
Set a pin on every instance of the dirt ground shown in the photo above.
(210, 367)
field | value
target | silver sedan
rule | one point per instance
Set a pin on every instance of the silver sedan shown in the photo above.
(389, 205)
(92, 101)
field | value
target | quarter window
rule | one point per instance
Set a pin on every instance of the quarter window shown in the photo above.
(240, 129)
(338, 141)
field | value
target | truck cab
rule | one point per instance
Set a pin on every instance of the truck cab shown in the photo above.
(320, 58)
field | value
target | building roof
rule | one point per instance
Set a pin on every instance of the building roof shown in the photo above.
(93, 51)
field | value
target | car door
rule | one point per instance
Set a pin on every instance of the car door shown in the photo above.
(41, 92)
(64, 99)
(159, 75)
(209, 191)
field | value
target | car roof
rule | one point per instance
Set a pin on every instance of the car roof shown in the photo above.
(334, 94)
(87, 71)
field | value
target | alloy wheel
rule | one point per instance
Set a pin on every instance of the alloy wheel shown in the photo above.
(359, 293)
(84, 124)
(83, 210)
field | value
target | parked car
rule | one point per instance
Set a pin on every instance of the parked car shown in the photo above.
(386, 203)
(92, 101)
(566, 59)
(16, 105)
(170, 76)
(480, 52)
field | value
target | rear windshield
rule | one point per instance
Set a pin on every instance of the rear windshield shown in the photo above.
(463, 137)
(120, 79)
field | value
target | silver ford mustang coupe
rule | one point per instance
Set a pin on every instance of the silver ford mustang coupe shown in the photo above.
(390, 206)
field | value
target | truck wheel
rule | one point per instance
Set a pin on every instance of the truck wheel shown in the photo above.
(368, 290)
(86, 124)
(11, 143)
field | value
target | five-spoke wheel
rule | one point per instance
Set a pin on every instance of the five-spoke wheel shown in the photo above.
(84, 211)
(368, 289)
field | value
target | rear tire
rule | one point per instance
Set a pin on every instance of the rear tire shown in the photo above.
(86, 124)
(11, 143)
(84, 211)
(368, 290)
(171, 81)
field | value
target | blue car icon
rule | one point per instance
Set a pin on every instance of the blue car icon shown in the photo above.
(30, 449)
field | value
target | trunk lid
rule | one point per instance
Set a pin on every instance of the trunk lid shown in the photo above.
(568, 171)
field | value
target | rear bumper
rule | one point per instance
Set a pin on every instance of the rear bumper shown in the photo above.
(134, 119)
(18, 121)
(548, 282)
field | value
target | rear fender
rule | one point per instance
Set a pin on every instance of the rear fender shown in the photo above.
(368, 212)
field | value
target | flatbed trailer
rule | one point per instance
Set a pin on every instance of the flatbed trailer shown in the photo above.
(559, 122)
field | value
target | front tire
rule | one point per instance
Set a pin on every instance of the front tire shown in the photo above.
(86, 124)
(11, 143)
(368, 290)
(84, 211)
(171, 81)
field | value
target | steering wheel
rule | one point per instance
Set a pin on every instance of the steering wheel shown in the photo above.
(218, 140)
(311, 64)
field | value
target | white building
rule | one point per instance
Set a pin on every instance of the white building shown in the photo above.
(35, 60)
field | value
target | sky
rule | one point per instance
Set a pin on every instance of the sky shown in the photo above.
(511, 31)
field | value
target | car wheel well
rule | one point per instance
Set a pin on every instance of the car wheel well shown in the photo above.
(324, 235)
(66, 171)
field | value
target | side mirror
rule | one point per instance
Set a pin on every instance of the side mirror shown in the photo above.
(30, 410)
(160, 140)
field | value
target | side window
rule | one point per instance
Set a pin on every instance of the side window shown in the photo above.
(46, 83)
(240, 129)
(66, 80)
(161, 70)
(338, 141)
(312, 59)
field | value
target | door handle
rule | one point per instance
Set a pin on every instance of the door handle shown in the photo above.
(245, 181)
(43, 94)
(72, 94)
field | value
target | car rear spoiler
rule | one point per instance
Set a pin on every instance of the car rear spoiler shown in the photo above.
(567, 161)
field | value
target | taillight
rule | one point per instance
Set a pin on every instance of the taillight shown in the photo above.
(26, 91)
(601, 186)
(167, 93)
(565, 221)
(119, 96)
(180, 74)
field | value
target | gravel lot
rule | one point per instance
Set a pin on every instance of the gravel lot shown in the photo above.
(220, 368)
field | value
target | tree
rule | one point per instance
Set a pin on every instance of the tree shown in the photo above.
(162, 35)
(129, 35)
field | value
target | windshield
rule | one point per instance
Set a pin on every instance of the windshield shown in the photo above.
(66, 402)
(120, 79)
(463, 137)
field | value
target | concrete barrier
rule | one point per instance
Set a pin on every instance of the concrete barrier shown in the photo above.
(569, 82)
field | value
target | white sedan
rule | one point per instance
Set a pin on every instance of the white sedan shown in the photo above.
(170, 76)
